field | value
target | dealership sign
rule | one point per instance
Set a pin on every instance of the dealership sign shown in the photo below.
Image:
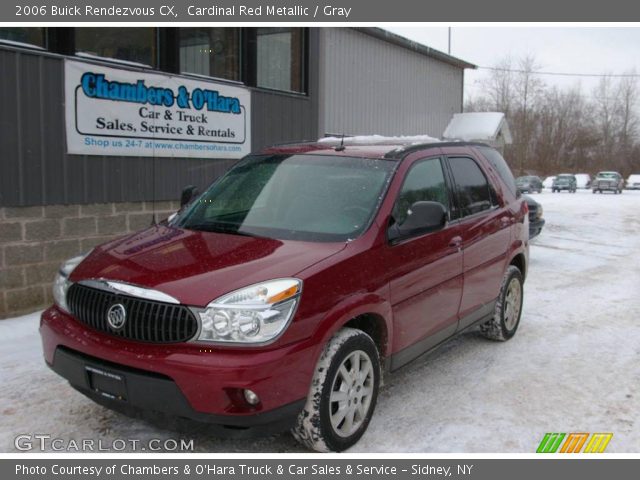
(113, 111)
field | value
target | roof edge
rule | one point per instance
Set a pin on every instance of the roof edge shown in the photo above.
(403, 42)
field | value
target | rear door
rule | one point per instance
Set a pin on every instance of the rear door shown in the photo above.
(486, 233)
(425, 270)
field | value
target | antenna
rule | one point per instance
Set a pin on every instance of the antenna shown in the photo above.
(341, 147)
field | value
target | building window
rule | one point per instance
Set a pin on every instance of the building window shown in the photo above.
(27, 36)
(137, 45)
(214, 52)
(280, 58)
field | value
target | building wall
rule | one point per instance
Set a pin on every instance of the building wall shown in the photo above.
(36, 170)
(35, 240)
(54, 206)
(368, 85)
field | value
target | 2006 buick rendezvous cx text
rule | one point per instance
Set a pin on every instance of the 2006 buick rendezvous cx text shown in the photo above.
(277, 298)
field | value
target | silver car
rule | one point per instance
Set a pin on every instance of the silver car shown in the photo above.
(608, 181)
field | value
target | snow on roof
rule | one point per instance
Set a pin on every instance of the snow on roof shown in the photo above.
(477, 126)
(15, 43)
(380, 140)
(92, 56)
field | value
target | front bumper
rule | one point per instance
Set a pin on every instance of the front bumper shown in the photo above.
(606, 187)
(183, 380)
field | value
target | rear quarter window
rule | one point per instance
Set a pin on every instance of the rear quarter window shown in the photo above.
(500, 165)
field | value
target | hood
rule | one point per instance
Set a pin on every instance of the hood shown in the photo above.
(197, 267)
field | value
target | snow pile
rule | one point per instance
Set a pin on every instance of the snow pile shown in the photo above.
(380, 140)
(476, 126)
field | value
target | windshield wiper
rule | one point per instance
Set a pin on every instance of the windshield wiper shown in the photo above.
(215, 227)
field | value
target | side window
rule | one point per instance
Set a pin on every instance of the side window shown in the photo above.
(424, 182)
(501, 167)
(474, 191)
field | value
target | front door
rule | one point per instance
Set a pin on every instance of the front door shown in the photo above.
(425, 270)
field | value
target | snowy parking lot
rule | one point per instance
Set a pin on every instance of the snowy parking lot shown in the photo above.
(574, 365)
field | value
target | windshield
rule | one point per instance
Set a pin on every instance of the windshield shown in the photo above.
(607, 175)
(292, 197)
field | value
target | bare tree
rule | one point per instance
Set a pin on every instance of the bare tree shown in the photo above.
(560, 129)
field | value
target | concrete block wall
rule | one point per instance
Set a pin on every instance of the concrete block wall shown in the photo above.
(34, 241)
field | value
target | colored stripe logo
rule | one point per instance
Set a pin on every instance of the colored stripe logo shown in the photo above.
(573, 442)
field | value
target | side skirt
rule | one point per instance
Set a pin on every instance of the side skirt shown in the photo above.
(431, 343)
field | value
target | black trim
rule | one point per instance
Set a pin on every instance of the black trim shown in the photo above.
(61, 40)
(168, 50)
(483, 312)
(249, 63)
(432, 342)
(151, 396)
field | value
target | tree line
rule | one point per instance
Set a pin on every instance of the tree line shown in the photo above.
(558, 130)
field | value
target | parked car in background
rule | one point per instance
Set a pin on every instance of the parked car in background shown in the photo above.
(633, 182)
(583, 180)
(608, 182)
(564, 181)
(536, 222)
(548, 182)
(529, 184)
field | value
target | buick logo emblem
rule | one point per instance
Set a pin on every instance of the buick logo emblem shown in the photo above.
(116, 316)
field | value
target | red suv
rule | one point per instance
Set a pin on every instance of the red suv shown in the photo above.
(278, 297)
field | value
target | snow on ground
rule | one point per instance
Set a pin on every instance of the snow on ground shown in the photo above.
(574, 365)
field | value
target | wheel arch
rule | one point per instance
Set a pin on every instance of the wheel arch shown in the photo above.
(375, 326)
(519, 261)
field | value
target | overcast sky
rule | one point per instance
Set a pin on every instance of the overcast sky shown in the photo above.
(556, 49)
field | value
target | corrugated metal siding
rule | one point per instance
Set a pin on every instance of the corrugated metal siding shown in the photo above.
(370, 86)
(34, 166)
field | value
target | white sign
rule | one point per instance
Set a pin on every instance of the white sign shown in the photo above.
(112, 111)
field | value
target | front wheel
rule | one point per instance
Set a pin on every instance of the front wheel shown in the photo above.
(343, 393)
(508, 309)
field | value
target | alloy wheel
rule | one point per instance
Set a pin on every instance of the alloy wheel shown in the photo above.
(351, 393)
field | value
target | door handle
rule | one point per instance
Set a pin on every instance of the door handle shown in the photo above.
(455, 242)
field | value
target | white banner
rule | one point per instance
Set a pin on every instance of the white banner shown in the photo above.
(112, 111)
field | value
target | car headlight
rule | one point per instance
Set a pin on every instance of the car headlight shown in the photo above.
(61, 284)
(255, 314)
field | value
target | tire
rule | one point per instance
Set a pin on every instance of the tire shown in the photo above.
(506, 318)
(320, 425)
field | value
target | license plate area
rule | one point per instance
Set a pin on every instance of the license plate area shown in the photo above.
(108, 384)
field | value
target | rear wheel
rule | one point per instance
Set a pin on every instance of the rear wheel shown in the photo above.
(508, 309)
(343, 393)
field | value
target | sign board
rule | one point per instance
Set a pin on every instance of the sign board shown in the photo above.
(111, 111)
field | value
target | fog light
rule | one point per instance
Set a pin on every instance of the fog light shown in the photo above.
(251, 397)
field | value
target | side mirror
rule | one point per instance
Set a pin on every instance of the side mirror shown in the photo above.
(188, 194)
(423, 217)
